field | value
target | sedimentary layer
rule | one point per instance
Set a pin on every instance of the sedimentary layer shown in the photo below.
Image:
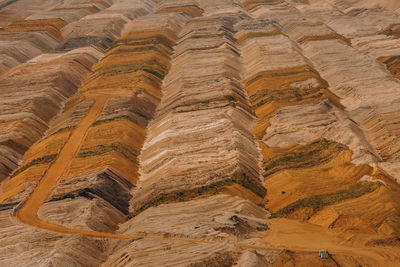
(199, 133)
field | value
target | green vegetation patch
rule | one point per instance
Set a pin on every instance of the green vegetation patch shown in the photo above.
(120, 117)
(153, 68)
(182, 7)
(391, 241)
(286, 95)
(225, 101)
(128, 152)
(223, 33)
(250, 35)
(320, 201)
(306, 73)
(153, 40)
(42, 160)
(145, 48)
(239, 177)
(312, 154)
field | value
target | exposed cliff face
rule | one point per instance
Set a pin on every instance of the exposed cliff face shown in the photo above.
(199, 133)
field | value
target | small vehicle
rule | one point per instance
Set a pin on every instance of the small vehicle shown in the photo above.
(323, 254)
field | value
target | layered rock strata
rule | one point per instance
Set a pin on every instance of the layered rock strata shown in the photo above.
(199, 133)
(305, 115)
(344, 66)
(45, 32)
(30, 98)
(202, 127)
(77, 142)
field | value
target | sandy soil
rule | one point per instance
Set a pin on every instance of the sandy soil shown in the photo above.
(304, 238)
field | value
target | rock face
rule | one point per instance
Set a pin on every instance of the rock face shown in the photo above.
(199, 132)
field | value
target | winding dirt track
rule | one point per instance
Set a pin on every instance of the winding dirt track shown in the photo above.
(286, 234)
(28, 213)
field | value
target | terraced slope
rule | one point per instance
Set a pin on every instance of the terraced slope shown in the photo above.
(199, 133)
(67, 41)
